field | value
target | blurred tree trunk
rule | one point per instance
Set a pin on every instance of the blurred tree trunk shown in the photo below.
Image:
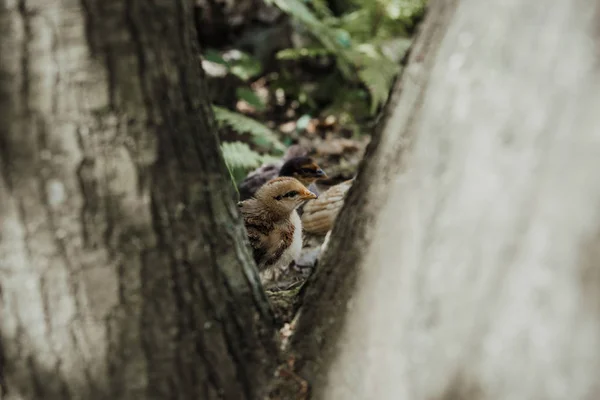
(466, 264)
(123, 269)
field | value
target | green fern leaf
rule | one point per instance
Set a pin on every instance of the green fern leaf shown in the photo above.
(242, 124)
(240, 155)
(250, 97)
(245, 66)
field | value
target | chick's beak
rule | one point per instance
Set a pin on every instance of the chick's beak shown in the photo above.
(320, 174)
(309, 195)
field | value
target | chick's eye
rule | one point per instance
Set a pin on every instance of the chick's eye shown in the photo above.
(307, 170)
(291, 194)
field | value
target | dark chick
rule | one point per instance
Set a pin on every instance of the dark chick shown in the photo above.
(303, 168)
(266, 172)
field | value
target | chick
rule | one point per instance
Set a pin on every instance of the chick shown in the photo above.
(305, 169)
(302, 168)
(319, 215)
(266, 172)
(274, 226)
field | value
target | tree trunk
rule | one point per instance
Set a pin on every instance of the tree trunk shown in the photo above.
(474, 241)
(334, 282)
(124, 272)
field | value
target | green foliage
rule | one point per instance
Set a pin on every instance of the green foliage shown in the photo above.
(246, 67)
(377, 73)
(238, 63)
(240, 158)
(304, 52)
(331, 39)
(356, 39)
(238, 155)
(356, 56)
(261, 134)
(374, 21)
(248, 95)
(321, 8)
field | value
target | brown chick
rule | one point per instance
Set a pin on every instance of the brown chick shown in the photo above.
(320, 214)
(273, 225)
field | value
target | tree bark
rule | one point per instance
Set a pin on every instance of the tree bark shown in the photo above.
(465, 263)
(124, 271)
(332, 285)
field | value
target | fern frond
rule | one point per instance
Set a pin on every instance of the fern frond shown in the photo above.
(242, 124)
(240, 155)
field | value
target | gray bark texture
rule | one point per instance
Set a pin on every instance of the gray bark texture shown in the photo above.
(472, 268)
(124, 271)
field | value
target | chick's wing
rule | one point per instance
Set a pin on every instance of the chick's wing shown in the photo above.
(258, 229)
(320, 214)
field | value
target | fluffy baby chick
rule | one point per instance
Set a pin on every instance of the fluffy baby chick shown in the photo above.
(303, 168)
(274, 226)
(319, 215)
(266, 172)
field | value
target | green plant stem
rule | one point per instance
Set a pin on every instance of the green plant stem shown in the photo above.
(233, 182)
